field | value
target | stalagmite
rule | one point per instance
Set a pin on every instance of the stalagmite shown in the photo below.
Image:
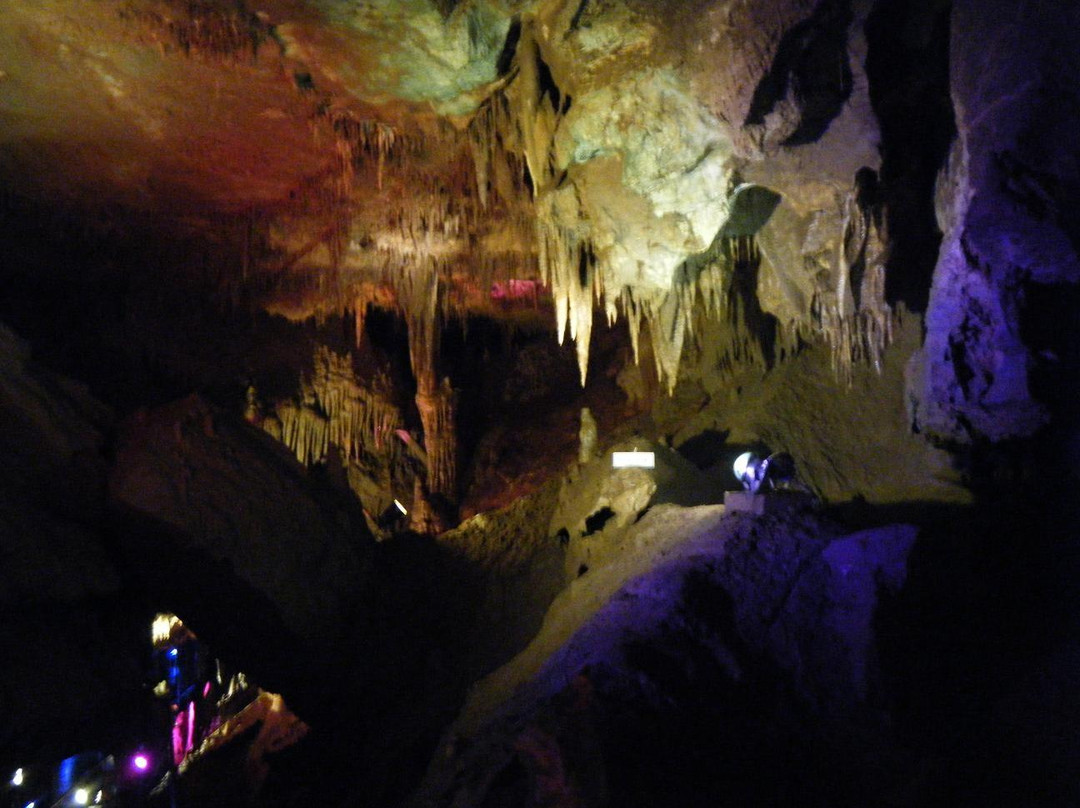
(587, 436)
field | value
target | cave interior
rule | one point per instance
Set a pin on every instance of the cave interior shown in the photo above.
(321, 325)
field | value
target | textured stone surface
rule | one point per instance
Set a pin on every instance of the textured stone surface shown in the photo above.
(344, 133)
(715, 173)
(1003, 204)
(731, 611)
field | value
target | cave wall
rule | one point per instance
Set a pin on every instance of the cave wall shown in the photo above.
(1003, 204)
(604, 161)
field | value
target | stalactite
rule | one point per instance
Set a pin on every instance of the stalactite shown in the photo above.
(567, 266)
(358, 418)
(304, 431)
(336, 410)
(704, 293)
(853, 316)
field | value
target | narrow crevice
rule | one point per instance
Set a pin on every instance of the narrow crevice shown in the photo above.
(506, 56)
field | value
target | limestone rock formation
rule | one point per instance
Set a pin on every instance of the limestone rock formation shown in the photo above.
(352, 220)
(1002, 205)
(597, 148)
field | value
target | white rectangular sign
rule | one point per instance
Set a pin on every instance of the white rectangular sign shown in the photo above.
(633, 460)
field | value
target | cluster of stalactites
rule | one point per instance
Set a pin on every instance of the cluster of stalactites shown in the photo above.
(359, 140)
(568, 268)
(492, 137)
(701, 289)
(853, 314)
(303, 429)
(335, 410)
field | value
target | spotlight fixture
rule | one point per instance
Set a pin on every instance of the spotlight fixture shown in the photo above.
(746, 468)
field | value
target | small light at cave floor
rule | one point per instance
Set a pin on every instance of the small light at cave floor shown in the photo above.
(141, 762)
(17, 778)
(401, 508)
(99, 797)
(82, 796)
(633, 460)
(30, 804)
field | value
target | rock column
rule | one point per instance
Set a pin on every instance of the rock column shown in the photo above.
(435, 506)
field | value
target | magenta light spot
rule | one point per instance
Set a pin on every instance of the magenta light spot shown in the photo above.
(142, 762)
(206, 690)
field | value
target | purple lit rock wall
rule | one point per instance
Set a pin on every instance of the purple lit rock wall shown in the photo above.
(1004, 204)
(740, 670)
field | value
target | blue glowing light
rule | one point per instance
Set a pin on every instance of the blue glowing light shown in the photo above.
(173, 653)
(66, 776)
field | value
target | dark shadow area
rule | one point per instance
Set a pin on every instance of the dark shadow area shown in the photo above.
(987, 604)
(506, 56)
(421, 606)
(594, 523)
(143, 315)
(811, 64)
(908, 68)
(704, 450)
(760, 324)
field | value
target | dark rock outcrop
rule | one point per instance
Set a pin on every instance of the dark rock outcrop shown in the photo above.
(749, 643)
(226, 529)
(71, 675)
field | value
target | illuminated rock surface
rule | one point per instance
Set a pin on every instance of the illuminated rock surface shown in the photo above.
(409, 243)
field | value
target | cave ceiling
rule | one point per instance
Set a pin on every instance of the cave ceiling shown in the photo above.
(593, 151)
